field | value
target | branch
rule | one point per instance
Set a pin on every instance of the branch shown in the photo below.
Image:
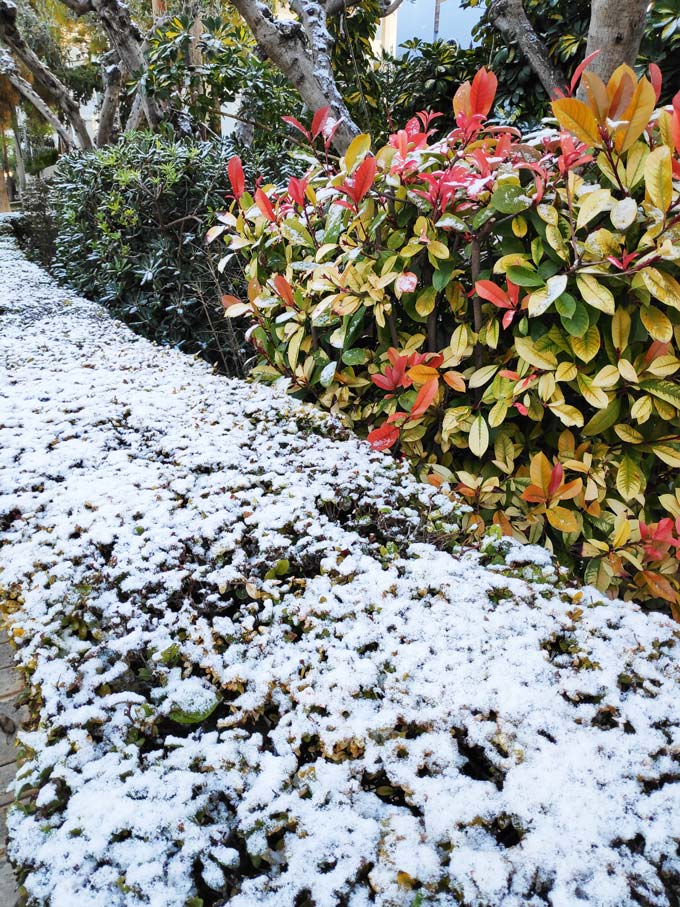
(509, 17)
(333, 7)
(9, 70)
(54, 88)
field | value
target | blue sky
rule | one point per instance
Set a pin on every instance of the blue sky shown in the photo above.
(416, 20)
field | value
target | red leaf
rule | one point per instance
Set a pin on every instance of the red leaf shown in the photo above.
(426, 395)
(297, 189)
(228, 301)
(320, 120)
(298, 125)
(364, 178)
(265, 205)
(508, 318)
(656, 79)
(384, 437)
(581, 68)
(556, 477)
(236, 176)
(382, 381)
(284, 289)
(483, 92)
(492, 293)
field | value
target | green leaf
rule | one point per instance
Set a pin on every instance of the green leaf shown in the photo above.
(356, 356)
(668, 391)
(509, 198)
(604, 419)
(524, 277)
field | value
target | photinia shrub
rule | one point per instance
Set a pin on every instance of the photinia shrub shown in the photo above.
(502, 309)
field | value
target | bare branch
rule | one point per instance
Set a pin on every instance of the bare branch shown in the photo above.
(333, 7)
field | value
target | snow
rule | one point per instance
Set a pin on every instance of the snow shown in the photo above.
(389, 723)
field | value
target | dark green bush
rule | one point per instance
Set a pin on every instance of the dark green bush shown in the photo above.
(131, 221)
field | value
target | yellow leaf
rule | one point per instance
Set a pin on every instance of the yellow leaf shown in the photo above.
(593, 203)
(627, 371)
(562, 519)
(664, 366)
(659, 178)
(641, 410)
(624, 213)
(358, 148)
(628, 478)
(567, 414)
(658, 325)
(595, 294)
(607, 377)
(621, 531)
(566, 371)
(587, 347)
(635, 164)
(478, 440)
(426, 301)
(662, 286)
(482, 375)
(620, 329)
(591, 394)
(543, 298)
(628, 434)
(542, 359)
(540, 471)
(556, 241)
(437, 249)
(519, 226)
(576, 117)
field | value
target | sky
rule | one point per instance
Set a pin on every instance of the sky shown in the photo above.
(416, 20)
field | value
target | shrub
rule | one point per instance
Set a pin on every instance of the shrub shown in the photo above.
(131, 221)
(501, 309)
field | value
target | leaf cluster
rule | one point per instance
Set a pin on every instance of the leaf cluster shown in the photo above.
(504, 312)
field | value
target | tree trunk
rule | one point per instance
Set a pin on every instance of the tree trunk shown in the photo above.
(305, 63)
(55, 89)
(18, 152)
(26, 90)
(616, 29)
(4, 197)
(158, 9)
(126, 39)
(107, 115)
(510, 18)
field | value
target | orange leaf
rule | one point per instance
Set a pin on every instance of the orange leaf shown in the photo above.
(534, 494)
(461, 100)
(596, 91)
(426, 395)
(577, 118)
(228, 301)
(638, 113)
(284, 289)
(658, 585)
(422, 373)
(483, 92)
(455, 380)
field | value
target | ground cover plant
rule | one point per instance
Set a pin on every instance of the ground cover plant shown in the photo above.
(500, 308)
(257, 679)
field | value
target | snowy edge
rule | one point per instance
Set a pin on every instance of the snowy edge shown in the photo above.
(255, 678)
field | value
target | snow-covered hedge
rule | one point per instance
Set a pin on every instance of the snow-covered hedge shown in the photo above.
(258, 677)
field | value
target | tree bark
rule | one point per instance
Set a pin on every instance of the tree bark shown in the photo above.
(54, 88)
(126, 39)
(616, 30)
(4, 196)
(302, 52)
(510, 18)
(18, 152)
(107, 115)
(8, 68)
